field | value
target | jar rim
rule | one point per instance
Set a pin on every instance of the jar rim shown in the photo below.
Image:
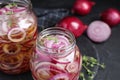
(26, 3)
(59, 31)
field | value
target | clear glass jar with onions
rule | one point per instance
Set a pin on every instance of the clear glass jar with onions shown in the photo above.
(18, 32)
(56, 56)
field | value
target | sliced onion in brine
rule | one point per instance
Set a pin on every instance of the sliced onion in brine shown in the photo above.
(19, 9)
(62, 76)
(5, 28)
(64, 58)
(2, 11)
(14, 8)
(42, 56)
(72, 67)
(16, 34)
(48, 66)
(10, 62)
(45, 70)
(11, 48)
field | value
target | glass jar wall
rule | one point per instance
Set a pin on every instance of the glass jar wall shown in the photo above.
(56, 56)
(18, 32)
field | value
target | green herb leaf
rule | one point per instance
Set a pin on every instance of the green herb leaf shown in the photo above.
(82, 76)
(52, 38)
(9, 23)
(9, 6)
(9, 12)
(88, 63)
(12, 5)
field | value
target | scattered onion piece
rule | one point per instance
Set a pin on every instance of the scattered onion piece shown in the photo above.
(15, 31)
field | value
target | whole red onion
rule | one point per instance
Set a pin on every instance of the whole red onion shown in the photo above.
(111, 16)
(73, 24)
(82, 7)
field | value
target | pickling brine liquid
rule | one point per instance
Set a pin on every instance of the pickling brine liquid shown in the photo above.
(18, 32)
(56, 56)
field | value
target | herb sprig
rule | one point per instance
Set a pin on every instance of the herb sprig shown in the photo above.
(9, 6)
(88, 63)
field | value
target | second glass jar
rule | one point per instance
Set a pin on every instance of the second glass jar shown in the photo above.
(56, 56)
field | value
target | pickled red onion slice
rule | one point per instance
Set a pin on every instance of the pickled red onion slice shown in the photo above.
(42, 56)
(19, 9)
(46, 69)
(13, 34)
(11, 49)
(56, 42)
(10, 62)
(2, 10)
(64, 58)
(62, 76)
(72, 67)
(5, 27)
(1, 31)
(48, 66)
(43, 74)
(11, 10)
(14, 7)
(49, 44)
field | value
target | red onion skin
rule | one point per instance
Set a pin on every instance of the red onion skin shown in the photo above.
(82, 7)
(111, 16)
(73, 24)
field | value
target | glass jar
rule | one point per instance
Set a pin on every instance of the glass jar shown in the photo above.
(18, 32)
(56, 56)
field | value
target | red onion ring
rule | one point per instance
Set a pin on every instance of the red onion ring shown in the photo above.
(72, 67)
(7, 48)
(62, 76)
(12, 32)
